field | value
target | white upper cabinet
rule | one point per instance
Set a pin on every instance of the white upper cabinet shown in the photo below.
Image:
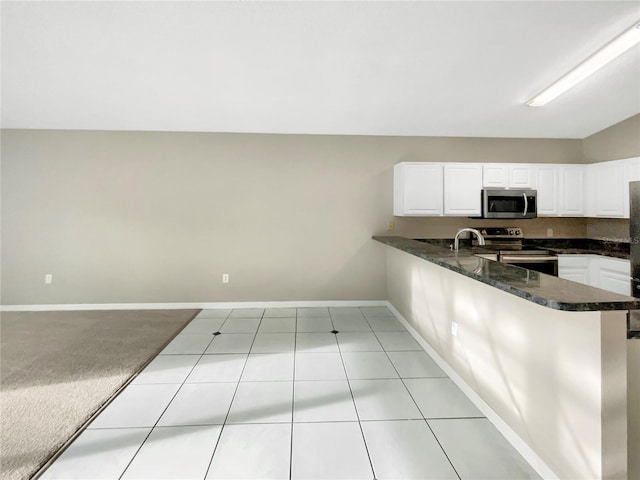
(608, 187)
(571, 191)
(633, 169)
(418, 189)
(462, 189)
(560, 190)
(495, 175)
(547, 183)
(520, 176)
(606, 184)
(507, 175)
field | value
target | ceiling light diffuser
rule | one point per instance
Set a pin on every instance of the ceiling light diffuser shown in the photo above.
(596, 61)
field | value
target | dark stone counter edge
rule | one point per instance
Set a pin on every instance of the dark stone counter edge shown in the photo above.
(560, 246)
(418, 249)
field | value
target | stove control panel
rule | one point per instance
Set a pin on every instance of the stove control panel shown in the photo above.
(501, 232)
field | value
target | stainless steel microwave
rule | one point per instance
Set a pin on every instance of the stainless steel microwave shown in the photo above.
(509, 203)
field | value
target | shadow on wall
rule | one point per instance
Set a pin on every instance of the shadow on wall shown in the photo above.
(520, 358)
(367, 261)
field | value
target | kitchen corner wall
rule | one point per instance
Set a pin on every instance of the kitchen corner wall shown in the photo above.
(146, 217)
(621, 140)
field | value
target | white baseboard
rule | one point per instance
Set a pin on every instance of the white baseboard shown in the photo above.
(512, 437)
(192, 305)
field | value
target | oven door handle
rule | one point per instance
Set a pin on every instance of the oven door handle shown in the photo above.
(526, 205)
(526, 258)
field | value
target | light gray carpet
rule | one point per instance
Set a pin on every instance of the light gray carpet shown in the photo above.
(58, 368)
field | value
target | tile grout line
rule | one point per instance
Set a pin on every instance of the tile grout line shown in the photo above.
(424, 419)
(42, 469)
(382, 420)
(168, 404)
(291, 422)
(224, 423)
(353, 399)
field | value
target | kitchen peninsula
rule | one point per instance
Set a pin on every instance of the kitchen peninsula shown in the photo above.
(548, 356)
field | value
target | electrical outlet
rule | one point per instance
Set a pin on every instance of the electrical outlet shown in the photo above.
(48, 278)
(454, 329)
(225, 278)
(390, 227)
(549, 232)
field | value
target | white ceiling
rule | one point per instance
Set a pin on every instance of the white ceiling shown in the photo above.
(373, 68)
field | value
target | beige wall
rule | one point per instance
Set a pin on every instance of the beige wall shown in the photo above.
(122, 217)
(608, 228)
(447, 227)
(621, 140)
(558, 379)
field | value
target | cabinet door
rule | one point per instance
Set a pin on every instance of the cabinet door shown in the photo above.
(520, 176)
(494, 175)
(615, 275)
(574, 268)
(547, 186)
(632, 174)
(633, 169)
(572, 190)
(418, 189)
(462, 189)
(615, 282)
(609, 186)
(579, 275)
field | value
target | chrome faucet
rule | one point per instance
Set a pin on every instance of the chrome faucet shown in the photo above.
(456, 240)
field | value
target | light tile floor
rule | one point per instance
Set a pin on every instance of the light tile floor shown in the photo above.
(274, 394)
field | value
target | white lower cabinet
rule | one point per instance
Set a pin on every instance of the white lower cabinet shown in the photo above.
(574, 268)
(612, 274)
(615, 275)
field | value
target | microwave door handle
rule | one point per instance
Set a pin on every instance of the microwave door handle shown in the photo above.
(526, 205)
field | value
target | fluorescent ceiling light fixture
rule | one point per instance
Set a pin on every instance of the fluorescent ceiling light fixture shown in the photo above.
(596, 61)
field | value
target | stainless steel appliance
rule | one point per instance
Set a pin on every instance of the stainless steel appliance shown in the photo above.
(634, 234)
(507, 241)
(504, 203)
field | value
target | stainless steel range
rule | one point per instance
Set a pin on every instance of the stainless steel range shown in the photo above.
(508, 243)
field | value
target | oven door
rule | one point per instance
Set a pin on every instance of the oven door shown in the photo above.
(509, 204)
(539, 263)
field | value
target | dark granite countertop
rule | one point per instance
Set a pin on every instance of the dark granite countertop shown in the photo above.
(560, 246)
(546, 290)
(581, 246)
